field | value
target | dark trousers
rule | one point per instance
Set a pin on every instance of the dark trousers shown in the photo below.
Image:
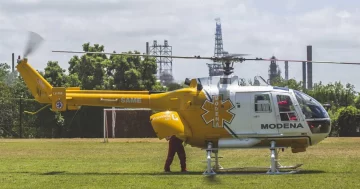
(175, 146)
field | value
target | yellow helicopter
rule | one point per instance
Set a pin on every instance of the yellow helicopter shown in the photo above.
(212, 113)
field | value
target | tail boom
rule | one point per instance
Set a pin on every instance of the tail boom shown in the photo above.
(72, 98)
(108, 100)
(124, 99)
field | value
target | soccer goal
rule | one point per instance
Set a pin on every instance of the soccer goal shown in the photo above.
(110, 117)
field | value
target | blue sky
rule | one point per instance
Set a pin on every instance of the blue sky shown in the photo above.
(261, 28)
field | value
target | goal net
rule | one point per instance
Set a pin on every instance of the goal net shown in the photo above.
(127, 123)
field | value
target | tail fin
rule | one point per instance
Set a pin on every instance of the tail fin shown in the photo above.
(38, 86)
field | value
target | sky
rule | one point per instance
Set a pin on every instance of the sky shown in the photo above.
(262, 28)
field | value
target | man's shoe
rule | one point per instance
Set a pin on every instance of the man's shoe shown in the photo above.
(184, 171)
(167, 171)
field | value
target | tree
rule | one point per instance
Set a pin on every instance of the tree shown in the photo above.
(6, 118)
(291, 83)
(347, 122)
(132, 73)
(4, 71)
(158, 87)
(89, 70)
(14, 98)
(54, 74)
(72, 80)
(173, 86)
(335, 94)
(97, 71)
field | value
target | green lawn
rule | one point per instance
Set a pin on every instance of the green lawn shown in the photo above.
(138, 163)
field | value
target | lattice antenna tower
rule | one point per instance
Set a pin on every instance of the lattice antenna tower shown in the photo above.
(164, 64)
(218, 51)
(215, 69)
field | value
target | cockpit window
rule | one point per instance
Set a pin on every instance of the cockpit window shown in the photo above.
(286, 108)
(310, 107)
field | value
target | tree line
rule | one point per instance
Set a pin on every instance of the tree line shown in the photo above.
(119, 72)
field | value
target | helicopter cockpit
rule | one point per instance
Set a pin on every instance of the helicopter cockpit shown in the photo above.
(315, 114)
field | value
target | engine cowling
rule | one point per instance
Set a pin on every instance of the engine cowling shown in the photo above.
(170, 123)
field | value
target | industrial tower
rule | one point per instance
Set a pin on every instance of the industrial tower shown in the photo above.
(286, 70)
(164, 64)
(215, 69)
(218, 50)
(274, 70)
(307, 69)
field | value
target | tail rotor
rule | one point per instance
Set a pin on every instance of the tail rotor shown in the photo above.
(33, 43)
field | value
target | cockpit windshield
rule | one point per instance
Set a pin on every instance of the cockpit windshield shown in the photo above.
(311, 108)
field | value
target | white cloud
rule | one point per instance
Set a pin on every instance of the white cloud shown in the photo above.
(258, 28)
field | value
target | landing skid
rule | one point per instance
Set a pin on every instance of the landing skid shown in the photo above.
(256, 168)
(274, 169)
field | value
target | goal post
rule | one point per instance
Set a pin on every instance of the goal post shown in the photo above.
(107, 126)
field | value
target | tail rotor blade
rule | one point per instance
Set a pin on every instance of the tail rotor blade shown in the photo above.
(33, 43)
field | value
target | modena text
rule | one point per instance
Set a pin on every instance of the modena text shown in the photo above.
(282, 126)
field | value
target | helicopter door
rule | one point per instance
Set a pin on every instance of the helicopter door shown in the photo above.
(286, 114)
(263, 114)
(241, 125)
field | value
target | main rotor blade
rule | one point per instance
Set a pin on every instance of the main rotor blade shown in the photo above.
(144, 55)
(229, 57)
(235, 55)
(33, 43)
(313, 61)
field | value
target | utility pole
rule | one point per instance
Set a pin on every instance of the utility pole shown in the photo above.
(13, 62)
(309, 67)
(286, 70)
(20, 117)
(304, 74)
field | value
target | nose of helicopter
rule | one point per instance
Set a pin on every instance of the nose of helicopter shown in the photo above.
(320, 129)
(316, 116)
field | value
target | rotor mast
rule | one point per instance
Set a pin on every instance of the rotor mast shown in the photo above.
(228, 70)
(228, 63)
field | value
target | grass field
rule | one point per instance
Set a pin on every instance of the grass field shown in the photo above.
(138, 163)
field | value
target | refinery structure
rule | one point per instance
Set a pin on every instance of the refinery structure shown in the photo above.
(165, 71)
(164, 64)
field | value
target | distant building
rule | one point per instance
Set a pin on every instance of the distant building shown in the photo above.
(274, 70)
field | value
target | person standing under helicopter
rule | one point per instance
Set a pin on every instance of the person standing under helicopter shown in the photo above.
(175, 146)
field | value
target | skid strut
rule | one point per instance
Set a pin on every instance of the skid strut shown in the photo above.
(275, 166)
(209, 170)
(217, 165)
